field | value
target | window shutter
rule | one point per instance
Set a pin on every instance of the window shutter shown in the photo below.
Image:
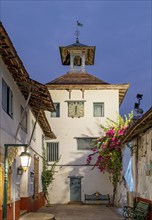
(52, 151)
(36, 176)
(4, 95)
(85, 143)
(10, 98)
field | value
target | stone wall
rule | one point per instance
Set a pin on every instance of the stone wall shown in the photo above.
(144, 177)
(141, 171)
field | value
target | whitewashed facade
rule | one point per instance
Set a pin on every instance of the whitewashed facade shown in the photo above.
(21, 185)
(24, 190)
(138, 169)
(76, 95)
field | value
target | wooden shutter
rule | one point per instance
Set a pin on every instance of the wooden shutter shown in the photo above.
(36, 176)
(52, 151)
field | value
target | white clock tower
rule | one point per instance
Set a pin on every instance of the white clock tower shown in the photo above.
(82, 102)
(77, 56)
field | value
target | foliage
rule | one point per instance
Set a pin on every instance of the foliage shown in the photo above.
(108, 149)
(47, 175)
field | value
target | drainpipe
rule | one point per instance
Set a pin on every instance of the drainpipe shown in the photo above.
(14, 190)
(137, 167)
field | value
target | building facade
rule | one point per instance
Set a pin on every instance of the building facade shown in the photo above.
(83, 102)
(138, 167)
(22, 121)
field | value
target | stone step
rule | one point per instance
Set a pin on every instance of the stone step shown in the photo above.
(37, 216)
(23, 212)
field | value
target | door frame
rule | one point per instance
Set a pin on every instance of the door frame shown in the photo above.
(75, 177)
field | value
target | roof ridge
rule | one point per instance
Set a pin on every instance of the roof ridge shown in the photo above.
(77, 78)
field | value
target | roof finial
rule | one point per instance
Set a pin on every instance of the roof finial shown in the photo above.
(77, 33)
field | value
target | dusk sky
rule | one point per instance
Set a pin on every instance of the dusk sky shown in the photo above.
(120, 30)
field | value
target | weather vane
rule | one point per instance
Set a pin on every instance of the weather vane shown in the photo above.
(77, 33)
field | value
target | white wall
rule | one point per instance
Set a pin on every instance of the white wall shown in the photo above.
(92, 181)
(144, 181)
(8, 127)
(67, 128)
(139, 175)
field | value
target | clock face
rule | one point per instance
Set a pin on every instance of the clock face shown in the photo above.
(76, 109)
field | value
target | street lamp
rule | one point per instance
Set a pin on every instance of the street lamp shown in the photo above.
(25, 159)
(25, 162)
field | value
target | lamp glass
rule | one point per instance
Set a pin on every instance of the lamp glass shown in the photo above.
(25, 160)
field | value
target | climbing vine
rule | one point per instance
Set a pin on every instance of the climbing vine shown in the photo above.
(47, 175)
(108, 149)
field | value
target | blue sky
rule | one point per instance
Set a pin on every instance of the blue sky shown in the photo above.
(120, 30)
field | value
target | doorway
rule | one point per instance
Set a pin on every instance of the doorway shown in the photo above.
(75, 189)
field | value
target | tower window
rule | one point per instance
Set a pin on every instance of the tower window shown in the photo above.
(56, 114)
(98, 109)
(77, 61)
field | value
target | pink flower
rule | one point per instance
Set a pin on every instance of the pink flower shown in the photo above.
(110, 132)
(122, 131)
(113, 139)
(103, 146)
(89, 159)
(99, 158)
(117, 142)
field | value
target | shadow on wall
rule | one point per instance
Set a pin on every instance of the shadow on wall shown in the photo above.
(91, 179)
(127, 168)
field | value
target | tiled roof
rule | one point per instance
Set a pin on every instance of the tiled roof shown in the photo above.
(40, 98)
(85, 81)
(140, 127)
(75, 78)
(77, 44)
(89, 52)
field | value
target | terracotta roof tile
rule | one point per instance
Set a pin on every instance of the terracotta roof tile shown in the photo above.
(75, 78)
(139, 127)
(40, 98)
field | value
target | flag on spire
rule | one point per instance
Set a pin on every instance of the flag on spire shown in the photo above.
(79, 24)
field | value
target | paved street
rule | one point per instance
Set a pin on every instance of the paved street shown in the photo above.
(82, 212)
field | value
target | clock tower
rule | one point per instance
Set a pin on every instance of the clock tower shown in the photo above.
(83, 102)
(77, 56)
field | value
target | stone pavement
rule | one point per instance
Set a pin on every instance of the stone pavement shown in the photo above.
(37, 216)
(75, 212)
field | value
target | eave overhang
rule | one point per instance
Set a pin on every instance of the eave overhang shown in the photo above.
(43, 122)
(139, 128)
(89, 52)
(122, 88)
(40, 96)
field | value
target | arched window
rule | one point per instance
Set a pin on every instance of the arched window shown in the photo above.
(77, 61)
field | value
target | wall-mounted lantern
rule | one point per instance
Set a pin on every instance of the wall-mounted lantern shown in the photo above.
(25, 159)
(25, 163)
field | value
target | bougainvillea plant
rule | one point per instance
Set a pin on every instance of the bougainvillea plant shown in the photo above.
(108, 149)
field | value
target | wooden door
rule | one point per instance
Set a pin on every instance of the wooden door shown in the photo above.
(75, 189)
